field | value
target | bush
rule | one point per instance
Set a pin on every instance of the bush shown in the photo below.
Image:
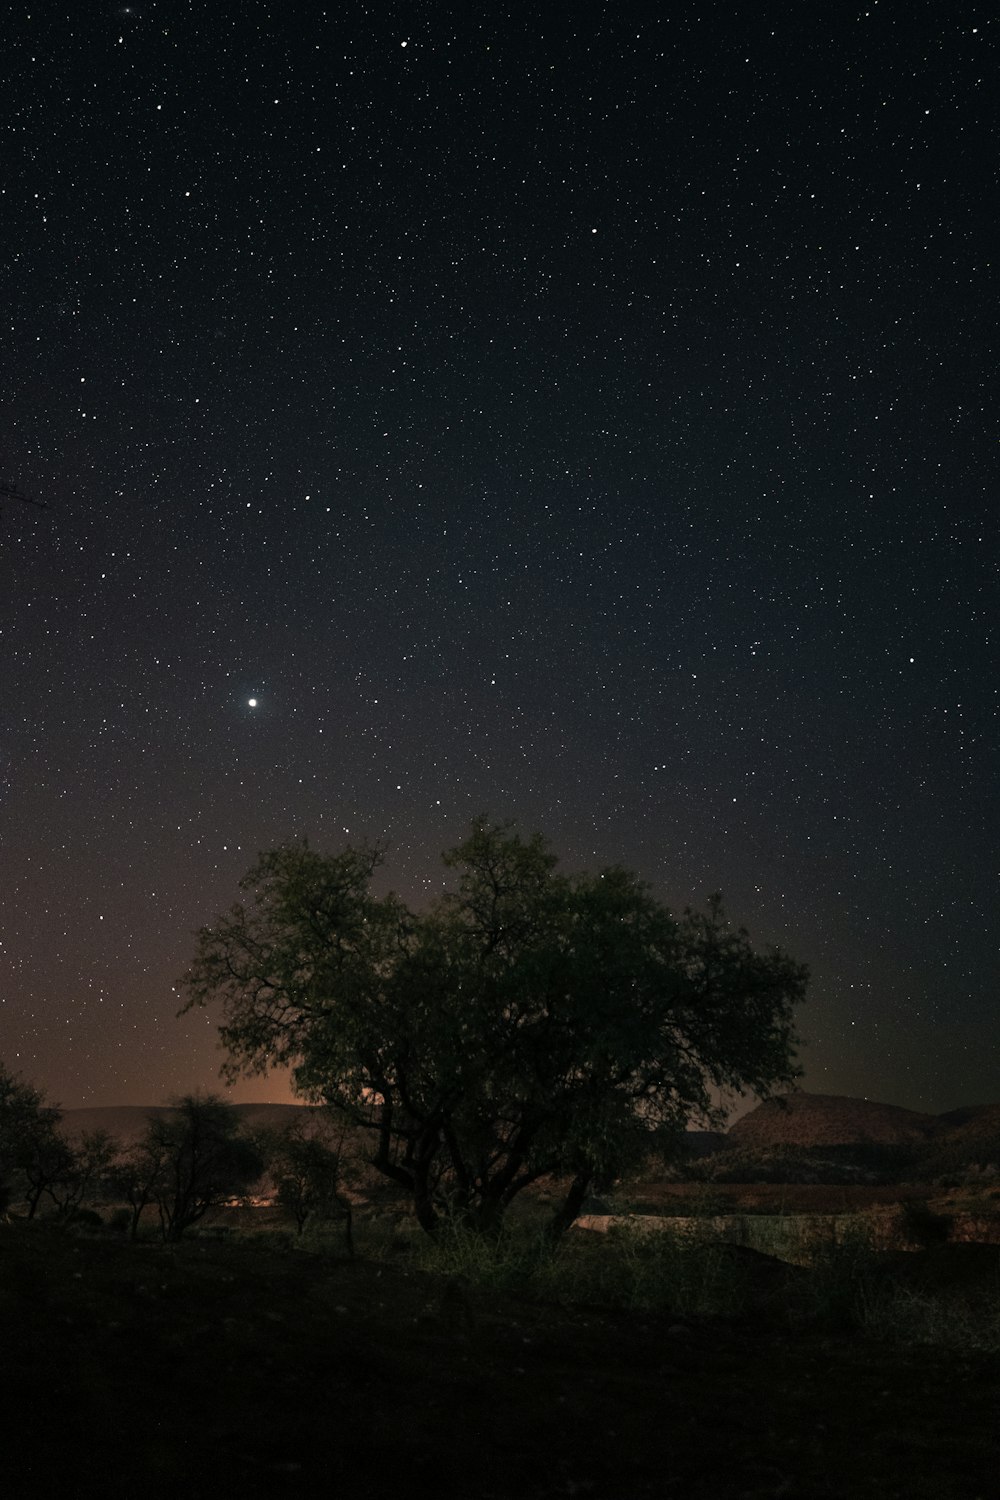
(843, 1278)
(683, 1272)
(120, 1221)
(921, 1225)
(85, 1218)
(833, 1166)
(513, 1260)
(905, 1315)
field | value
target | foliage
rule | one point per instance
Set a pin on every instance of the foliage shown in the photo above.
(201, 1160)
(528, 1023)
(77, 1171)
(865, 1162)
(120, 1222)
(921, 1225)
(667, 1271)
(967, 1159)
(30, 1146)
(85, 1219)
(901, 1314)
(37, 1160)
(845, 1273)
(309, 1168)
(134, 1176)
(46, 1160)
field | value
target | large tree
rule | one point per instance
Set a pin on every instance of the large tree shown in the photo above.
(529, 1023)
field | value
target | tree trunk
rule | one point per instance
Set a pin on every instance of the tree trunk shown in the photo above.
(487, 1216)
(571, 1206)
(423, 1204)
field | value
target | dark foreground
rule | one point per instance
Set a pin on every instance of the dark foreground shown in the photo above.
(221, 1370)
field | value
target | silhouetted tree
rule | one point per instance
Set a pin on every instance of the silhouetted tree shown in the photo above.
(309, 1171)
(204, 1160)
(79, 1170)
(529, 1023)
(133, 1176)
(30, 1146)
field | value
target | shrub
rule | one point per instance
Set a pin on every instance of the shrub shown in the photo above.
(86, 1218)
(844, 1275)
(833, 1165)
(906, 1315)
(120, 1221)
(921, 1225)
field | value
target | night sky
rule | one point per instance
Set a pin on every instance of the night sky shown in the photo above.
(582, 415)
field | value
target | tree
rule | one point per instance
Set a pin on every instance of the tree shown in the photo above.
(71, 1172)
(528, 1024)
(202, 1159)
(133, 1176)
(309, 1173)
(29, 1141)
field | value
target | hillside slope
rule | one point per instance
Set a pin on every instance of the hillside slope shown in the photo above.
(128, 1121)
(802, 1119)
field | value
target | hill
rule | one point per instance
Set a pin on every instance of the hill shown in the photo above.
(802, 1119)
(797, 1137)
(968, 1143)
(128, 1121)
(831, 1138)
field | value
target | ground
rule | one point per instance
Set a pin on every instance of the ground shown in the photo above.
(244, 1369)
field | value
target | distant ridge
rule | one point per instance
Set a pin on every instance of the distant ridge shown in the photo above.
(798, 1119)
(128, 1121)
(803, 1119)
(973, 1117)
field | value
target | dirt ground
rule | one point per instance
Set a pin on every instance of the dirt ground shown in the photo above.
(240, 1370)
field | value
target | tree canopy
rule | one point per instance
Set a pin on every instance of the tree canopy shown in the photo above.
(310, 1167)
(28, 1139)
(195, 1158)
(527, 1023)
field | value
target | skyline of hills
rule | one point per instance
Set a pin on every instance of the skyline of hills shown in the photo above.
(798, 1118)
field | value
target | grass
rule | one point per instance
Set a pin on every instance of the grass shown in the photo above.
(848, 1285)
(673, 1271)
(905, 1315)
(685, 1270)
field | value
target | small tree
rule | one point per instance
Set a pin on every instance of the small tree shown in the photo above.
(79, 1170)
(529, 1023)
(309, 1173)
(132, 1179)
(203, 1160)
(47, 1161)
(32, 1153)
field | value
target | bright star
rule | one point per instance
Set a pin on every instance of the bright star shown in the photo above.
(251, 702)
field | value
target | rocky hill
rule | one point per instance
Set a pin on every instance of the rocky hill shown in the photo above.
(830, 1138)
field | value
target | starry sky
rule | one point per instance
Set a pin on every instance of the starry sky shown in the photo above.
(582, 415)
